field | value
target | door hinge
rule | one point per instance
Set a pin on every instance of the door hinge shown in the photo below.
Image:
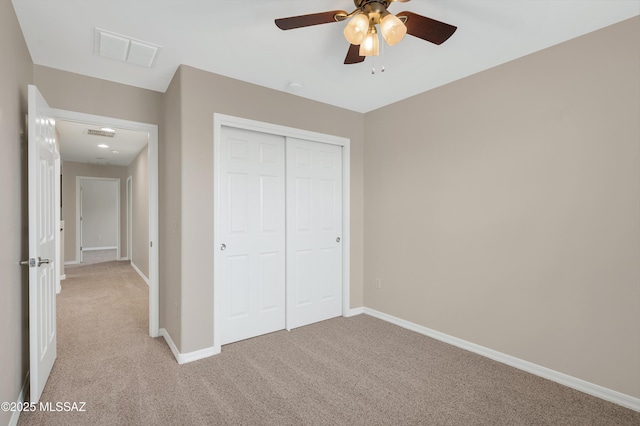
(150, 243)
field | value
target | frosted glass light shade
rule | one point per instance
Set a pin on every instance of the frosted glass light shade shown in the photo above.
(356, 29)
(370, 46)
(393, 29)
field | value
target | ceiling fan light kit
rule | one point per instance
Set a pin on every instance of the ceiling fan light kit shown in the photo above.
(357, 29)
(393, 29)
(370, 46)
(361, 29)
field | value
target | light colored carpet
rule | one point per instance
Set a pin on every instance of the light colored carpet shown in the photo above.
(345, 371)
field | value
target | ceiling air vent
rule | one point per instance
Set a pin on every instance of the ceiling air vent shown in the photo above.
(100, 133)
(123, 48)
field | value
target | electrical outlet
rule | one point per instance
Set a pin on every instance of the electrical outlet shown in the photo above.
(378, 283)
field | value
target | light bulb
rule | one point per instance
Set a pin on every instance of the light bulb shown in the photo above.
(356, 29)
(370, 46)
(393, 29)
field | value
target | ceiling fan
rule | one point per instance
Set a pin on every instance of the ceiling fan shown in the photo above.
(361, 31)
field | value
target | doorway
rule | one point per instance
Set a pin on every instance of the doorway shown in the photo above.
(150, 182)
(337, 155)
(97, 218)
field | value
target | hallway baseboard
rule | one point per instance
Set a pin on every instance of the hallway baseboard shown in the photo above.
(143, 276)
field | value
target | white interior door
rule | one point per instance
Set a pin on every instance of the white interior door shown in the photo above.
(43, 236)
(252, 214)
(314, 232)
(99, 207)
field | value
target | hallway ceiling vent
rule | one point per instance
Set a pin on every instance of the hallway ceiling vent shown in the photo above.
(123, 48)
(93, 132)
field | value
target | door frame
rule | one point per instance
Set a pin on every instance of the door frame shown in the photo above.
(79, 213)
(223, 120)
(152, 131)
(129, 195)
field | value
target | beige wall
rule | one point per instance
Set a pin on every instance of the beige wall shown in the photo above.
(75, 92)
(202, 94)
(70, 171)
(170, 206)
(139, 172)
(15, 74)
(510, 200)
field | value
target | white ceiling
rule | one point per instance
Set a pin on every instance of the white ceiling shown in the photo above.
(238, 38)
(76, 144)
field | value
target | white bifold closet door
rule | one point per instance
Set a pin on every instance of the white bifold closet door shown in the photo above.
(252, 270)
(314, 232)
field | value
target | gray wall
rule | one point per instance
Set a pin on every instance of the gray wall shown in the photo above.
(139, 172)
(15, 74)
(71, 170)
(513, 201)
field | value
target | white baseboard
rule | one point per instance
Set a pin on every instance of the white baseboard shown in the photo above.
(190, 356)
(538, 370)
(13, 421)
(353, 312)
(143, 276)
(122, 259)
(71, 262)
(99, 248)
(63, 277)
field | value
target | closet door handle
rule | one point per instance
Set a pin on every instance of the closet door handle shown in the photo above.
(223, 247)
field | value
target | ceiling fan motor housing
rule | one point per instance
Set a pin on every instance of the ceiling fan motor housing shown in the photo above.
(374, 9)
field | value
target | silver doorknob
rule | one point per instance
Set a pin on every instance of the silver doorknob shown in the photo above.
(223, 247)
(338, 240)
(32, 262)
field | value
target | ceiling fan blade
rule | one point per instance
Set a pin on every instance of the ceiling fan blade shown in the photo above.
(353, 55)
(426, 28)
(308, 20)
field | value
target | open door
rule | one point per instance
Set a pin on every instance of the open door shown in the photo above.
(43, 169)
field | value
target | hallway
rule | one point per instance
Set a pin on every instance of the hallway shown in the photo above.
(103, 346)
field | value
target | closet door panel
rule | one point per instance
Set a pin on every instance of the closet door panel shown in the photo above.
(314, 232)
(253, 234)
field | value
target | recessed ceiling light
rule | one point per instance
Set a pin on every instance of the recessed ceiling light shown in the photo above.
(103, 146)
(115, 152)
(108, 129)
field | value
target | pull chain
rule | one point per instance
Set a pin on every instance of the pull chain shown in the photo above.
(373, 58)
(382, 55)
